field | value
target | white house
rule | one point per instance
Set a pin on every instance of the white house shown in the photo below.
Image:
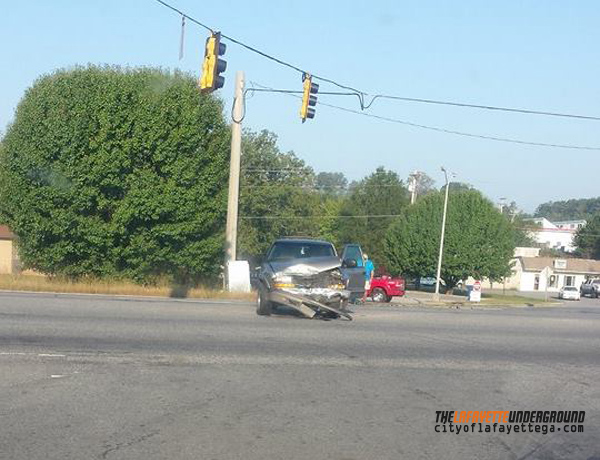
(556, 235)
(570, 224)
(534, 273)
(531, 272)
(512, 282)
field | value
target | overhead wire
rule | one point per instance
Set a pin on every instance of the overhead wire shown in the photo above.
(361, 95)
(322, 187)
(480, 106)
(364, 216)
(439, 129)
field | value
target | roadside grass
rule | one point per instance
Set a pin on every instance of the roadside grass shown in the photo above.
(509, 297)
(40, 283)
(460, 298)
(514, 299)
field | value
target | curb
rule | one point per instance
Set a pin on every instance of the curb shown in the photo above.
(130, 297)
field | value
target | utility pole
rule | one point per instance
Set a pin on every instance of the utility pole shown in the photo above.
(436, 296)
(501, 204)
(234, 170)
(413, 184)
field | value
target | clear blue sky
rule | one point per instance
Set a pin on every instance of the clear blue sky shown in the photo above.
(534, 54)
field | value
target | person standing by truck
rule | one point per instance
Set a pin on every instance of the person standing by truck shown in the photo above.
(369, 274)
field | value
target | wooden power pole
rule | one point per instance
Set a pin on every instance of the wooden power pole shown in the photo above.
(234, 170)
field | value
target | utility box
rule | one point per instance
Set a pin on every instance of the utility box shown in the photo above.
(238, 276)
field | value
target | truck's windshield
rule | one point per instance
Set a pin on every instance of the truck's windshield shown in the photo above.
(288, 250)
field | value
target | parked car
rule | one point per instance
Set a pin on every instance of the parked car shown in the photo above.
(383, 288)
(427, 281)
(569, 293)
(304, 274)
(591, 288)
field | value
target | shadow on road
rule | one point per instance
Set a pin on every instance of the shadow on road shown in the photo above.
(283, 311)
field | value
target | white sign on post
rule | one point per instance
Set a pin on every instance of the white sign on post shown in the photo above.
(475, 294)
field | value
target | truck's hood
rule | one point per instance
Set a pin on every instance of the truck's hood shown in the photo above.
(306, 267)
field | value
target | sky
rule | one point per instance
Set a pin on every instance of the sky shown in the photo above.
(535, 54)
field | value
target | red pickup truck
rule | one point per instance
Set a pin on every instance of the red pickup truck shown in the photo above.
(383, 288)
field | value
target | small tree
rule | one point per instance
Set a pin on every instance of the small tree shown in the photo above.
(381, 194)
(425, 185)
(479, 241)
(116, 172)
(331, 183)
(587, 239)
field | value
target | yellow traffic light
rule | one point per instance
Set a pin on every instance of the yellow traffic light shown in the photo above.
(309, 100)
(212, 66)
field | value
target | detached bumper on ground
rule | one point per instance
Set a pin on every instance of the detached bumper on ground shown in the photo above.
(314, 302)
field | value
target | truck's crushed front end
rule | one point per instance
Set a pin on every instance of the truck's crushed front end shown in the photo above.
(320, 282)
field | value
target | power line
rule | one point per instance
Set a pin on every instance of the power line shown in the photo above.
(361, 95)
(318, 187)
(479, 106)
(291, 169)
(365, 216)
(445, 130)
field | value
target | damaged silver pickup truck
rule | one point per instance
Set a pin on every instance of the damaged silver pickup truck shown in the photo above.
(306, 275)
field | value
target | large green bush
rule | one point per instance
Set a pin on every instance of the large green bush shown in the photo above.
(116, 172)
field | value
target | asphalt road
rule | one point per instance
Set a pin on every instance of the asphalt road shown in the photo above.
(108, 378)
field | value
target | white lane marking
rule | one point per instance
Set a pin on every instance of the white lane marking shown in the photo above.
(56, 376)
(42, 355)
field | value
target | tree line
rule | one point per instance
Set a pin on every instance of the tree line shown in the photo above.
(122, 173)
(574, 209)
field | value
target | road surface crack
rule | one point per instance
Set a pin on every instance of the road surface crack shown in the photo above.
(121, 445)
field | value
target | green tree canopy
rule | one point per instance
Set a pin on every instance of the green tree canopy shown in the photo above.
(587, 239)
(381, 193)
(331, 183)
(457, 187)
(277, 196)
(479, 241)
(116, 172)
(583, 208)
(425, 185)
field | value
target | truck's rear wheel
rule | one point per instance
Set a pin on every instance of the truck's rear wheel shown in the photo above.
(264, 307)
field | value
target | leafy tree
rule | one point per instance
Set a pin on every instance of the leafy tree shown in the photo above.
(587, 239)
(381, 193)
(457, 187)
(522, 236)
(116, 172)
(330, 208)
(277, 196)
(583, 208)
(511, 210)
(425, 185)
(331, 183)
(479, 241)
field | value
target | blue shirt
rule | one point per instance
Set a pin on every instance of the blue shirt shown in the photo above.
(369, 267)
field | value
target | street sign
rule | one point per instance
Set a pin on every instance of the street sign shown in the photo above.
(475, 294)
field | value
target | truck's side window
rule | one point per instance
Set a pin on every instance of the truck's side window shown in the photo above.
(354, 253)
